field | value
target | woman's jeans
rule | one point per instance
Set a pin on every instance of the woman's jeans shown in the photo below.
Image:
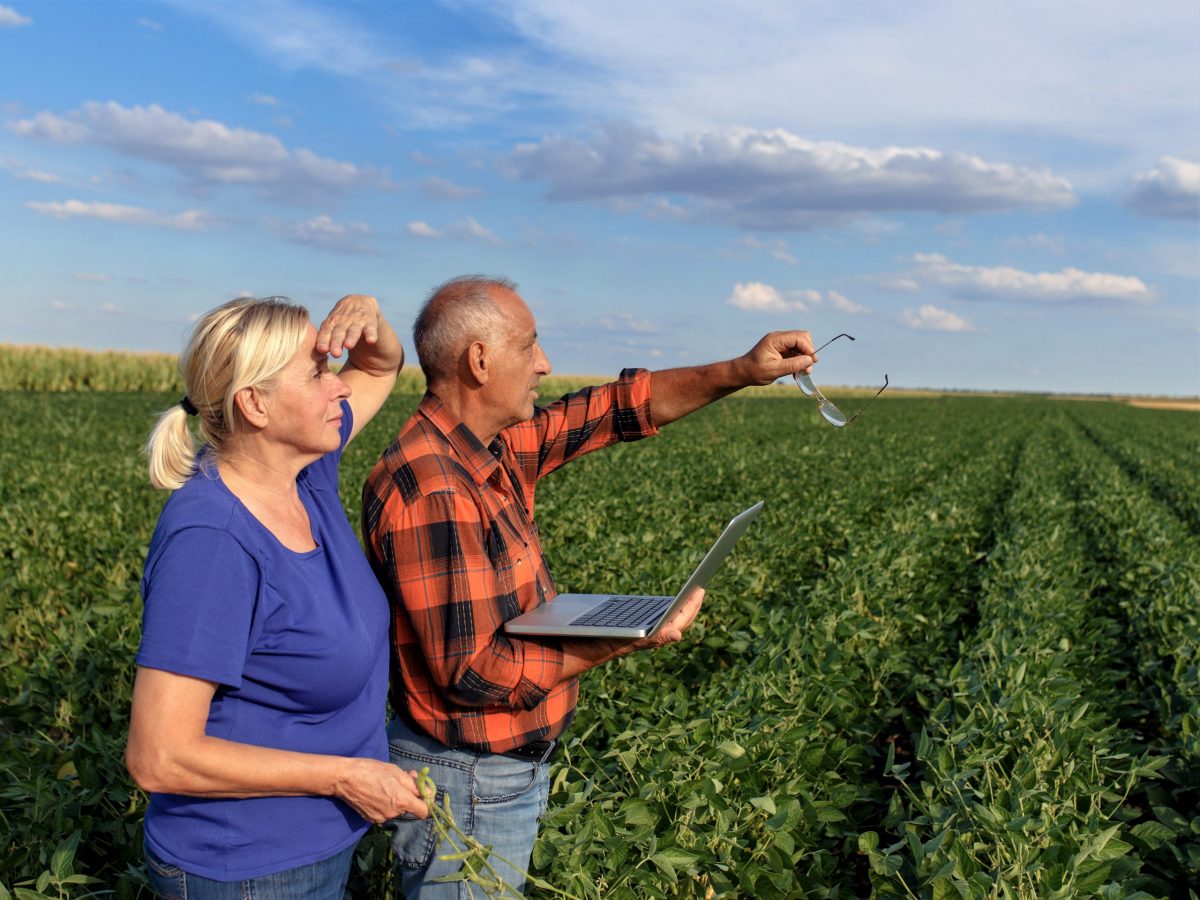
(495, 798)
(324, 880)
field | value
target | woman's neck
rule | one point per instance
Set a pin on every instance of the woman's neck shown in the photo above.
(267, 488)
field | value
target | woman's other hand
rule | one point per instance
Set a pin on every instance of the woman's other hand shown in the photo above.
(380, 791)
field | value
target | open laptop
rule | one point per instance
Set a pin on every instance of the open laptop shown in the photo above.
(626, 616)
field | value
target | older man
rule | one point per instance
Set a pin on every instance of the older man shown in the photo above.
(448, 517)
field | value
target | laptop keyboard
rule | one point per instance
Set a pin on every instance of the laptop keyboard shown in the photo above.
(624, 612)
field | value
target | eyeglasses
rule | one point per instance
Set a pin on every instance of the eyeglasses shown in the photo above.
(832, 414)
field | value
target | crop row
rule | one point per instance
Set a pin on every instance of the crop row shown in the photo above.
(1150, 564)
(1170, 474)
(1022, 776)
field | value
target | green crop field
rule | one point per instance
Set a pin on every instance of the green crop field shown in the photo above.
(957, 656)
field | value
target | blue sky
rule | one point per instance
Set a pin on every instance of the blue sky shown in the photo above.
(988, 196)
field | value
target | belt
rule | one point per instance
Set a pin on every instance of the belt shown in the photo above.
(535, 751)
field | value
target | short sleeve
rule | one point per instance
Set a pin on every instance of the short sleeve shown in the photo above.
(199, 598)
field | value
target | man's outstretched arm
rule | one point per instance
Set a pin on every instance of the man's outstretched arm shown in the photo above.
(676, 392)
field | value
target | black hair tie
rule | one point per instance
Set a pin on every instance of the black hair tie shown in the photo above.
(188, 406)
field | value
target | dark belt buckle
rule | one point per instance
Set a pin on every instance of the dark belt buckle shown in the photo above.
(535, 751)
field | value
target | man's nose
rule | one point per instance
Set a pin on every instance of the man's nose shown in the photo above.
(542, 361)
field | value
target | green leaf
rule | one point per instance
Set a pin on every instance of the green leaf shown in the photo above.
(830, 814)
(668, 859)
(1151, 835)
(731, 749)
(765, 803)
(678, 856)
(784, 842)
(64, 856)
(638, 812)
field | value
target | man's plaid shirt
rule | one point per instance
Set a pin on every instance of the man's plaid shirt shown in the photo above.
(448, 525)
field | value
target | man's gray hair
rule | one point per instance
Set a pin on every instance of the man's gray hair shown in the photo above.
(458, 312)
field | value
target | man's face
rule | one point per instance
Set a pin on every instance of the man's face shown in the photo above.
(518, 362)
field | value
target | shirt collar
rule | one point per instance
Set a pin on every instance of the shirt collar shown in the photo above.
(477, 459)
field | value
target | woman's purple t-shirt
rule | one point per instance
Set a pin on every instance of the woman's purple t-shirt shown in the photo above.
(298, 646)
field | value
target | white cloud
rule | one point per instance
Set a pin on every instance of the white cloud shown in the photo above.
(10, 18)
(202, 150)
(843, 304)
(40, 177)
(931, 318)
(263, 99)
(422, 230)
(50, 127)
(758, 297)
(874, 69)
(899, 283)
(870, 74)
(472, 229)
(322, 231)
(437, 188)
(149, 24)
(1170, 190)
(467, 230)
(1007, 283)
(20, 171)
(777, 180)
(776, 248)
(441, 189)
(112, 309)
(191, 220)
(299, 35)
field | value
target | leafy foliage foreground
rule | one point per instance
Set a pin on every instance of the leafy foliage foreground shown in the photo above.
(956, 657)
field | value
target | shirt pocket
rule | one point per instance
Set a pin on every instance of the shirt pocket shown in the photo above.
(515, 561)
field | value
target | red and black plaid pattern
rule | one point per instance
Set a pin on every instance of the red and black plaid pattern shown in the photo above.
(449, 529)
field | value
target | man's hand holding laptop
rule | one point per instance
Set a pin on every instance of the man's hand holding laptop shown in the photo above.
(581, 655)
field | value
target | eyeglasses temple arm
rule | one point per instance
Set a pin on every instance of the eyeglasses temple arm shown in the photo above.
(869, 402)
(831, 340)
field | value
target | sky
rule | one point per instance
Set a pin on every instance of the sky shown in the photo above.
(999, 196)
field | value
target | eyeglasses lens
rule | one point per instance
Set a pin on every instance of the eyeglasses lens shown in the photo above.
(832, 414)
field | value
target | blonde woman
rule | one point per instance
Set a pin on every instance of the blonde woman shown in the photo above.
(258, 709)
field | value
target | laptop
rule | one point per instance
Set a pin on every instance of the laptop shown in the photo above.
(621, 615)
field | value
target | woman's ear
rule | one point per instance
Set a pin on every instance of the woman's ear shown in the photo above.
(251, 403)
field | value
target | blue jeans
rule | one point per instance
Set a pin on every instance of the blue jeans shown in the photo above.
(496, 799)
(324, 880)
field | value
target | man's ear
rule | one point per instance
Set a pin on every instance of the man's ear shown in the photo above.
(251, 403)
(479, 362)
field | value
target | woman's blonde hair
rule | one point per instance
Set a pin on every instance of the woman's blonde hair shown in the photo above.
(243, 343)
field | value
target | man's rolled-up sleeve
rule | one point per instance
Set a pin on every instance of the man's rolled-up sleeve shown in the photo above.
(457, 600)
(586, 420)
